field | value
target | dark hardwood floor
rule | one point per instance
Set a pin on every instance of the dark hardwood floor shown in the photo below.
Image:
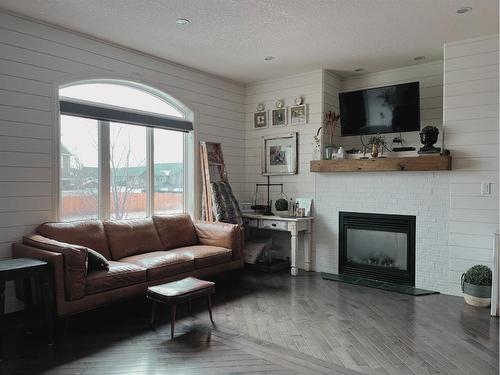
(273, 324)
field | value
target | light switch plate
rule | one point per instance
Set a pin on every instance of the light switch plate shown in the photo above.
(485, 188)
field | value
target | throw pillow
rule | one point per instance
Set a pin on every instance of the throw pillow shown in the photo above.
(97, 261)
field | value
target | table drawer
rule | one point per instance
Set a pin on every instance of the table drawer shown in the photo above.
(274, 224)
(250, 222)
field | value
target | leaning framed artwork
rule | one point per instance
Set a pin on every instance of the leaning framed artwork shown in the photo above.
(279, 154)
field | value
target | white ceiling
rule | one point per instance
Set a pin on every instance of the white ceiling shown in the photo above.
(230, 38)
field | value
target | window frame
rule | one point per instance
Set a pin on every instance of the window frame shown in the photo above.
(104, 199)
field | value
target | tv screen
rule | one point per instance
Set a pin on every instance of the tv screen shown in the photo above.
(388, 109)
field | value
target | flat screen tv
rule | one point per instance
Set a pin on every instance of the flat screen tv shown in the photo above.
(388, 109)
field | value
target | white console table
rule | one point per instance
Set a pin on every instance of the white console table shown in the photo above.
(294, 225)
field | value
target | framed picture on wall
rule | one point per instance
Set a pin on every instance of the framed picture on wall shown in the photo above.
(279, 154)
(278, 117)
(260, 120)
(298, 114)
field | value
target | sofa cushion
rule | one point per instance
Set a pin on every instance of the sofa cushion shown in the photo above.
(160, 264)
(205, 256)
(88, 233)
(176, 231)
(75, 263)
(225, 235)
(132, 237)
(119, 275)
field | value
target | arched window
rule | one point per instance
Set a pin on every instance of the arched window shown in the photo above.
(122, 151)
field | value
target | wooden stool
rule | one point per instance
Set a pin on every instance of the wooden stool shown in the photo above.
(176, 292)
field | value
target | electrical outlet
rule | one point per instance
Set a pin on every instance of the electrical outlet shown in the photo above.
(485, 188)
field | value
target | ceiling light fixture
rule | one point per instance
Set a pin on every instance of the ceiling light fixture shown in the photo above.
(358, 70)
(182, 21)
(463, 10)
(269, 58)
(419, 58)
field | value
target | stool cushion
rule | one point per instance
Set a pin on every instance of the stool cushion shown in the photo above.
(181, 288)
(160, 264)
(119, 275)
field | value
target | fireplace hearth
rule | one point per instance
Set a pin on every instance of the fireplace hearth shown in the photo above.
(377, 246)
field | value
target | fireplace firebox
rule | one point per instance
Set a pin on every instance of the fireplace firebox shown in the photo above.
(377, 246)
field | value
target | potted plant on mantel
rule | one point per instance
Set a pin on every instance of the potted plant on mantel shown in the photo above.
(476, 286)
(377, 142)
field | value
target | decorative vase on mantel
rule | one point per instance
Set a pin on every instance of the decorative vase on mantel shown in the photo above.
(374, 152)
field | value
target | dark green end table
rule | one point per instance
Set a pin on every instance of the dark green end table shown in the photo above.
(24, 269)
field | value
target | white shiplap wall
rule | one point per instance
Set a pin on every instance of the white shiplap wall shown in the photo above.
(390, 193)
(309, 86)
(472, 131)
(454, 222)
(34, 58)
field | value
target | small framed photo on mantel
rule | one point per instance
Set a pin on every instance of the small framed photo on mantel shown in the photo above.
(260, 120)
(298, 114)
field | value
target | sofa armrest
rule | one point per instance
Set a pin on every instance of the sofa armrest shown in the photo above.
(20, 250)
(74, 263)
(225, 235)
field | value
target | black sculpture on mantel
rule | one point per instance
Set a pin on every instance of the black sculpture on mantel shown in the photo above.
(428, 137)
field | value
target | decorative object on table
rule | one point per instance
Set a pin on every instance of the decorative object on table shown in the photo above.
(301, 212)
(245, 207)
(291, 208)
(279, 154)
(317, 145)
(278, 117)
(306, 204)
(428, 137)
(258, 202)
(298, 114)
(476, 285)
(260, 120)
(267, 208)
(331, 121)
(341, 153)
(281, 202)
(376, 142)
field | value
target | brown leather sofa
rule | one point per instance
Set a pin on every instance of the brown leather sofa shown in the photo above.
(140, 253)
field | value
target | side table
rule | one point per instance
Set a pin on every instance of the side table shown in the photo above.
(23, 269)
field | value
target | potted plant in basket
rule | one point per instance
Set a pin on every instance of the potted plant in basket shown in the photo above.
(377, 142)
(476, 286)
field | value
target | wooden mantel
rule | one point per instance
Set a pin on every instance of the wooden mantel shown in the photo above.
(417, 163)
